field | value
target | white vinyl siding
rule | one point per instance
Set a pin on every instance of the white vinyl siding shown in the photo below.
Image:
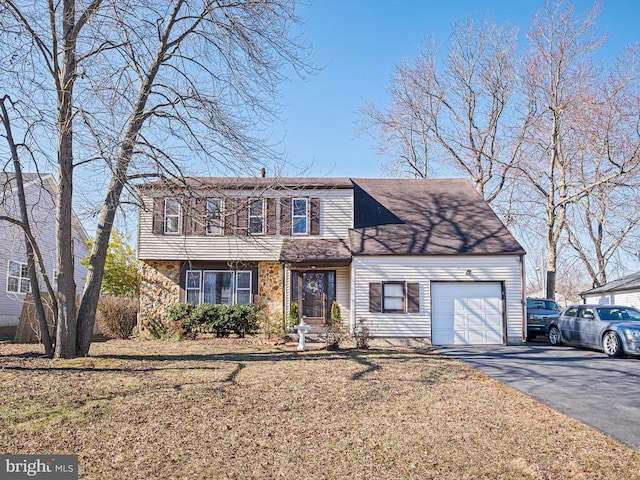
(336, 219)
(628, 298)
(41, 207)
(424, 270)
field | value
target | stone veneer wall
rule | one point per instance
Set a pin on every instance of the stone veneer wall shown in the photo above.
(159, 289)
(269, 297)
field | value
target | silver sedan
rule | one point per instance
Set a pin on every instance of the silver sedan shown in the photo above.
(613, 329)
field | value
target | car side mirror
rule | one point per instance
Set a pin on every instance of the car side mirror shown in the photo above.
(588, 316)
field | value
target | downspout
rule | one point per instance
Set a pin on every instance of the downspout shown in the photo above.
(284, 299)
(522, 299)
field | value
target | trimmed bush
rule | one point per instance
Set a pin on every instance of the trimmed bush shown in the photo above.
(117, 316)
(220, 320)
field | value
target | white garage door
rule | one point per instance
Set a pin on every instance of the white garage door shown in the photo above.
(466, 313)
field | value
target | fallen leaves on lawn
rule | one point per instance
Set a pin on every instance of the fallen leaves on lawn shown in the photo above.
(209, 409)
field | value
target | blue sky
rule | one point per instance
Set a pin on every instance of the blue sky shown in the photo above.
(359, 42)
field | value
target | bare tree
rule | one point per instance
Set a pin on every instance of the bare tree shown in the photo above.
(140, 88)
(35, 261)
(457, 118)
(565, 161)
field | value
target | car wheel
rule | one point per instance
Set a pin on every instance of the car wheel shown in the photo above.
(611, 344)
(554, 336)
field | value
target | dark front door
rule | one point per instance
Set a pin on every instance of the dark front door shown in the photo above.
(315, 292)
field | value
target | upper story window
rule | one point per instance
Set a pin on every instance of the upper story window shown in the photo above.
(172, 216)
(256, 217)
(18, 277)
(214, 216)
(300, 216)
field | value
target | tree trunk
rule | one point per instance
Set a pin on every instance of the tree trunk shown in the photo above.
(45, 337)
(66, 329)
(95, 271)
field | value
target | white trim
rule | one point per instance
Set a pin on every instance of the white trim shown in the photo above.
(20, 278)
(219, 229)
(165, 216)
(294, 217)
(250, 204)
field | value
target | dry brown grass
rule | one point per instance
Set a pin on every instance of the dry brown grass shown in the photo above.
(210, 409)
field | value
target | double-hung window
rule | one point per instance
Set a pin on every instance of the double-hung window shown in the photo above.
(300, 216)
(172, 216)
(18, 277)
(393, 297)
(213, 212)
(256, 216)
(218, 287)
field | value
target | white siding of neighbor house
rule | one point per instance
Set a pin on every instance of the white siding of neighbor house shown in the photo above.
(343, 294)
(42, 221)
(424, 270)
(629, 298)
(336, 217)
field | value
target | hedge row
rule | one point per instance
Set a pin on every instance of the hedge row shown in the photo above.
(221, 320)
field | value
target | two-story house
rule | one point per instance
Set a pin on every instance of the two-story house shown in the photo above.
(419, 261)
(40, 195)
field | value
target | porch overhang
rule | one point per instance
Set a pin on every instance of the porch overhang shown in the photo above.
(301, 252)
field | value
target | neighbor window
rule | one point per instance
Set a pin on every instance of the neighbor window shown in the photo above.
(214, 216)
(218, 287)
(172, 215)
(256, 216)
(393, 297)
(18, 277)
(299, 216)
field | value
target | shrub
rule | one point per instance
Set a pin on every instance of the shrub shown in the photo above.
(294, 316)
(362, 335)
(117, 316)
(221, 320)
(335, 334)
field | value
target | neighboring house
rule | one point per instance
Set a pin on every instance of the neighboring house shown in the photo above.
(419, 261)
(40, 198)
(624, 291)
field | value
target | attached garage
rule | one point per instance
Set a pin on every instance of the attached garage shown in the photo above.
(467, 313)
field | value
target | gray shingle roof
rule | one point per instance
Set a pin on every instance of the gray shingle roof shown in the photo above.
(298, 250)
(426, 217)
(630, 282)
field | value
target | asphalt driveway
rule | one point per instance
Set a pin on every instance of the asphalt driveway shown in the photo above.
(597, 390)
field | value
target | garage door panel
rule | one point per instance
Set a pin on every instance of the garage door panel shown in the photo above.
(466, 313)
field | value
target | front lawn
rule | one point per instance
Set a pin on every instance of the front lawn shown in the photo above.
(212, 409)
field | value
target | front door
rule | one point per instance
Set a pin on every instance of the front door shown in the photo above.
(315, 292)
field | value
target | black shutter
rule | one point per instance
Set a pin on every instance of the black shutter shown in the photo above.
(200, 216)
(187, 208)
(413, 297)
(157, 222)
(242, 216)
(375, 297)
(230, 211)
(314, 213)
(271, 216)
(285, 216)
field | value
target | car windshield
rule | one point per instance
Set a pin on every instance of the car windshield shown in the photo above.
(618, 313)
(541, 304)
